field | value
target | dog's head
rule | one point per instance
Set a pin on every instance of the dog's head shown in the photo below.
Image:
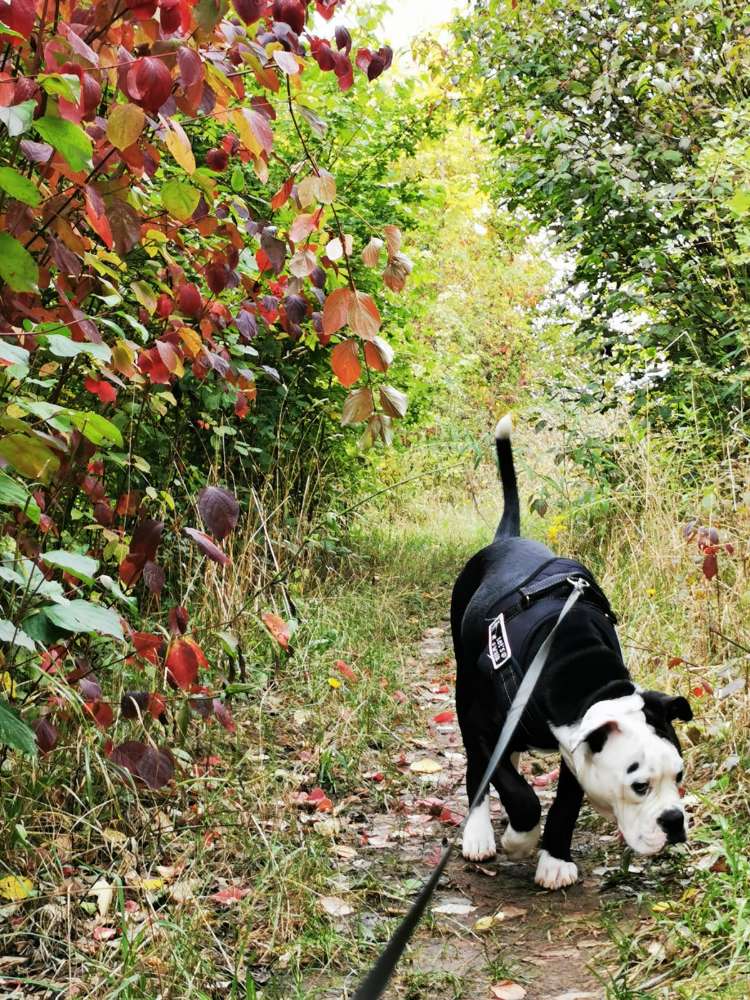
(626, 756)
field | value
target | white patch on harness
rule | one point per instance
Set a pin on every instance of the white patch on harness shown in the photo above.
(497, 643)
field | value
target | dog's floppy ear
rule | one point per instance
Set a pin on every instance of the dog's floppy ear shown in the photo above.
(672, 706)
(598, 737)
(597, 724)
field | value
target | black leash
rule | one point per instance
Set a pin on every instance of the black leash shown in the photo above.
(373, 985)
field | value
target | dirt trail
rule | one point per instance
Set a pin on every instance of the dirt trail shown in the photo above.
(552, 945)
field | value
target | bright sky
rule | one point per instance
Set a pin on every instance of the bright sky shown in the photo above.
(411, 18)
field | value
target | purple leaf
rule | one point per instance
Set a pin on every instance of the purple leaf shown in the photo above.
(207, 547)
(155, 767)
(219, 510)
(46, 734)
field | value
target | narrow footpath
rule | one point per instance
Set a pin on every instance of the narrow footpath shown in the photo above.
(490, 931)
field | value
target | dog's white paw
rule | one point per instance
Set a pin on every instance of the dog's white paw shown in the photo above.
(519, 844)
(552, 873)
(478, 842)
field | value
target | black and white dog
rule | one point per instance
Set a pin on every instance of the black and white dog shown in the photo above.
(616, 741)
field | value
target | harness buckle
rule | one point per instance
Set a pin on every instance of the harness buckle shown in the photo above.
(579, 583)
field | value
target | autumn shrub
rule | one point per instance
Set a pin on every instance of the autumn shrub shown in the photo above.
(193, 238)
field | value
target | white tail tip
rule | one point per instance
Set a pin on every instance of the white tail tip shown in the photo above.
(504, 428)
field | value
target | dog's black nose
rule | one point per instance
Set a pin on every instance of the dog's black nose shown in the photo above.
(672, 822)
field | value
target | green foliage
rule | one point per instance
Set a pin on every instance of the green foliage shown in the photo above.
(175, 229)
(621, 128)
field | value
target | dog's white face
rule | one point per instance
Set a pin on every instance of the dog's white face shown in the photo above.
(628, 771)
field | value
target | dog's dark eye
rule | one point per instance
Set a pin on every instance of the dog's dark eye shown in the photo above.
(640, 787)
(679, 777)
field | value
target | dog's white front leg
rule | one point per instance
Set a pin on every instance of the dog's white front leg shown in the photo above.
(478, 843)
(554, 873)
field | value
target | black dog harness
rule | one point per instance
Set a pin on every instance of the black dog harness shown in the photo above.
(519, 623)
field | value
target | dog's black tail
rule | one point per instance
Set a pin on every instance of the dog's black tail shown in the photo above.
(510, 522)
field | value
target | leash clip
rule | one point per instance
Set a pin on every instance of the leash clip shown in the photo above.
(579, 583)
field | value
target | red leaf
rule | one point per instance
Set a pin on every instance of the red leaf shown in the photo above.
(345, 670)
(157, 705)
(710, 565)
(282, 195)
(277, 627)
(178, 620)
(446, 816)
(250, 10)
(447, 716)
(219, 510)
(399, 697)
(97, 217)
(148, 645)
(104, 933)
(131, 568)
(345, 362)
(230, 895)
(104, 390)
(19, 16)
(127, 754)
(146, 538)
(207, 547)
(224, 715)
(100, 712)
(182, 664)
(336, 309)
(149, 82)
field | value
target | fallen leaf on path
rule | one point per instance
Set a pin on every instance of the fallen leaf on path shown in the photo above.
(484, 924)
(318, 798)
(345, 852)
(447, 816)
(115, 837)
(458, 908)
(104, 893)
(447, 716)
(150, 884)
(399, 696)
(103, 933)
(336, 906)
(16, 887)
(508, 912)
(542, 780)
(227, 897)
(184, 891)
(507, 990)
(426, 766)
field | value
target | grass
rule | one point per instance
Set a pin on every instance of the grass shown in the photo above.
(684, 633)
(232, 821)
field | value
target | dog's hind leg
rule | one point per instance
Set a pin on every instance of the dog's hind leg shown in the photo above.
(524, 811)
(556, 869)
